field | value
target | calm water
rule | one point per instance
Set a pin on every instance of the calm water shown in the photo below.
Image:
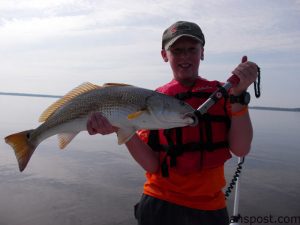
(95, 181)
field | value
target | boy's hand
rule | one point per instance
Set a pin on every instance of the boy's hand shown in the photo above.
(98, 124)
(247, 73)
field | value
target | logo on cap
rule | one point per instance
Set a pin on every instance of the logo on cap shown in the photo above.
(174, 29)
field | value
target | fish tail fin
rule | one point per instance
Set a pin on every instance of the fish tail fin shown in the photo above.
(22, 146)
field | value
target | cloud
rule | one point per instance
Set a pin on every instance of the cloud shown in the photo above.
(49, 41)
(228, 25)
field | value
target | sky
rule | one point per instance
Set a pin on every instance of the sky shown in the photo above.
(52, 46)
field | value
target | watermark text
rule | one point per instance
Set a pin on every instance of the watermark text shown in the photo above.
(270, 219)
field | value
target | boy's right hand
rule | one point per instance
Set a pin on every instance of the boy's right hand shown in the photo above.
(98, 124)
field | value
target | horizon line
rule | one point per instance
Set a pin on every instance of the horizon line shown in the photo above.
(30, 95)
(59, 96)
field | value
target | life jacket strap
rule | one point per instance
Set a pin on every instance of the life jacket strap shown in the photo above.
(173, 150)
(190, 94)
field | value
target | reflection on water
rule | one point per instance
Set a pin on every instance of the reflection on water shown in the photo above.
(75, 186)
(95, 181)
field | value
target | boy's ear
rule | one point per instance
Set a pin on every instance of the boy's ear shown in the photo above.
(164, 55)
(202, 54)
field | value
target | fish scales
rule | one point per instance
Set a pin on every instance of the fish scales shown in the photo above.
(110, 101)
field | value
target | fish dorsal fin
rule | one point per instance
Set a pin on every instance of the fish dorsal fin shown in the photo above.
(85, 87)
(115, 84)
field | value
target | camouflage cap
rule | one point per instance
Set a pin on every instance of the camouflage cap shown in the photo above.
(180, 29)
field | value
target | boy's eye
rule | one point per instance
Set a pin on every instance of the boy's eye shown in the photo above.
(177, 51)
(192, 50)
(180, 51)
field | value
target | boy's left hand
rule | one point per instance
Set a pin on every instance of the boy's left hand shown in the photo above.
(247, 73)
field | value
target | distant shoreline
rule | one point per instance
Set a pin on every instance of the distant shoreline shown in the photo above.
(30, 95)
(59, 96)
(275, 108)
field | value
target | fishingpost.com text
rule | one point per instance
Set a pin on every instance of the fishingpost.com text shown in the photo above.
(270, 219)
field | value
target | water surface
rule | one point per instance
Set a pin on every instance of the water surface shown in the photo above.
(95, 181)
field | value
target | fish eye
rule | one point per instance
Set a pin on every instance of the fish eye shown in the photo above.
(182, 103)
(166, 105)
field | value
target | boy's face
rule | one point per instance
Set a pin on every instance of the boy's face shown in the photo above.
(184, 57)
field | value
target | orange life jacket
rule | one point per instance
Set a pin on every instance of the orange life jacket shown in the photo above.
(204, 146)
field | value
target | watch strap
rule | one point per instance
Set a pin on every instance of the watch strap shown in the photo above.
(242, 99)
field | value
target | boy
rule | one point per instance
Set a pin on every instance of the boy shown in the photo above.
(185, 166)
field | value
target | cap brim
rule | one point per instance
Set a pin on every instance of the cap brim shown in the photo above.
(172, 41)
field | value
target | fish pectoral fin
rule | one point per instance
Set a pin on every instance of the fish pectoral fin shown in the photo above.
(124, 134)
(136, 114)
(64, 139)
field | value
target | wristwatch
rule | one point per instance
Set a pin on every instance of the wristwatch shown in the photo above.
(243, 99)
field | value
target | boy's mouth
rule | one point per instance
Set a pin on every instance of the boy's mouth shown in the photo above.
(185, 65)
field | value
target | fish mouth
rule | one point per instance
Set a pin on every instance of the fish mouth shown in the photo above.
(192, 116)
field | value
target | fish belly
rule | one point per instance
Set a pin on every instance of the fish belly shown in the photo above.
(71, 127)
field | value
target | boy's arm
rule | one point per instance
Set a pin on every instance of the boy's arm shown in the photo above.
(143, 154)
(140, 151)
(241, 131)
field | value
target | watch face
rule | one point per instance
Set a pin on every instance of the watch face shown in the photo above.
(247, 98)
